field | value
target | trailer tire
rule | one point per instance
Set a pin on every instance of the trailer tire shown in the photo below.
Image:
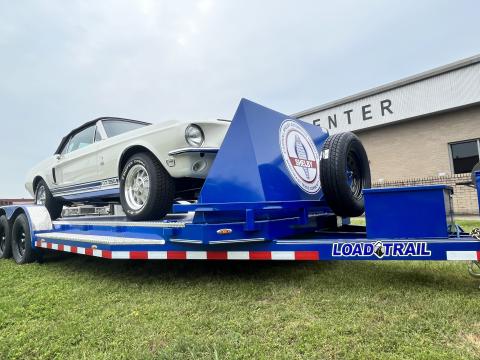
(21, 239)
(54, 206)
(161, 190)
(344, 173)
(5, 242)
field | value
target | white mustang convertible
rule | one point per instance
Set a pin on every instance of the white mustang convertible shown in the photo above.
(144, 166)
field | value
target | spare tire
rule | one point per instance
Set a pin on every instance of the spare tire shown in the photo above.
(344, 173)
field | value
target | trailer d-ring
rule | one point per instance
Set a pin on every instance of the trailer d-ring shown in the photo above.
(474, 269)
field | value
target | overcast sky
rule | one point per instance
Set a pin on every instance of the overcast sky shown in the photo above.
(65, 62)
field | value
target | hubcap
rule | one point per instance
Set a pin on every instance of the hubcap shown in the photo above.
(20, 240)
(41, 196)
(354, 175)
(137, 187)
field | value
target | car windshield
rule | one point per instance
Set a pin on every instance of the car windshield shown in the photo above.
(118, 127)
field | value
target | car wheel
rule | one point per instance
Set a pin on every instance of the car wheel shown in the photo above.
(344, 173)
(44, 197)
(21, 241)
(146, 189)
(5, 243)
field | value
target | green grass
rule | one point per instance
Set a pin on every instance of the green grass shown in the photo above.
(80, 307)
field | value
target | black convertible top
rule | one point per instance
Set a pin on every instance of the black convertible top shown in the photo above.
(89, 123)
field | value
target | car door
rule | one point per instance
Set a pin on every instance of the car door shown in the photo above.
(77, 165)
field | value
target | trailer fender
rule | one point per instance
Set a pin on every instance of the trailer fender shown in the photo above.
(38, 216)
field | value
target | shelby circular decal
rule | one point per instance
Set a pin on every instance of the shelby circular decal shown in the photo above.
(300, 155)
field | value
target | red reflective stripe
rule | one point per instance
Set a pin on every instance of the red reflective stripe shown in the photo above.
(217, 255)
(307, 255)
(176, 255)
(60, 247)
(478, 255)
(107, 254)
(49, 245)
(89, 252)
(74, 249)
(139, 255)
(260, 255)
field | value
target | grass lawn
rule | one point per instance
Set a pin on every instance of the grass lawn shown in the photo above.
(80, 307)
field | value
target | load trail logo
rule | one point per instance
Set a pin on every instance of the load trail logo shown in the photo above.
(300, 156)
(381, 249)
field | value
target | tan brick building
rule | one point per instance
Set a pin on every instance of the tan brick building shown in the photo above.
(424, 129)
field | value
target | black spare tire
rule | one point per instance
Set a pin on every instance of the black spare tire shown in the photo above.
(344, 173)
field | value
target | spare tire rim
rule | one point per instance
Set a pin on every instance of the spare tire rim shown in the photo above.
(41, 196)
(137, 187)
(3, 238)
(354, 175)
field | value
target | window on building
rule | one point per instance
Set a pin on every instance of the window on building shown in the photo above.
(465, 155)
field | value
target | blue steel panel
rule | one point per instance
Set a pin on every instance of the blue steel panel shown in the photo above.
(249, 165)
(407, 212)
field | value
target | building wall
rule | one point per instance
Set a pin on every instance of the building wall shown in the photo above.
(418, 148)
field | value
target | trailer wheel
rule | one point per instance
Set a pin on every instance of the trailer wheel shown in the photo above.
(344, 173)
(44, 197)
(146, 189)
(5, 243)
(22, 241)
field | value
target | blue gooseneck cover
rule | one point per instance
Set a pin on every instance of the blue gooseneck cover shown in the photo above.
(249, 166)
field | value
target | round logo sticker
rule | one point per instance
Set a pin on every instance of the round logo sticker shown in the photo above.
(300, 156)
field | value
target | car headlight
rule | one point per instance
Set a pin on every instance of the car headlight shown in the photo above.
(194, 135)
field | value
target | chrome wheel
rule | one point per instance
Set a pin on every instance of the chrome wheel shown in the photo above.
(41, 196)
(137, 187)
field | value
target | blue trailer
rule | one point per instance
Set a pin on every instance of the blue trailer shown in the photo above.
(260, 203)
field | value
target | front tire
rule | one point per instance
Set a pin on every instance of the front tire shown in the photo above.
(5, 242)
(44, 197)
(22, 249)
(147, 191)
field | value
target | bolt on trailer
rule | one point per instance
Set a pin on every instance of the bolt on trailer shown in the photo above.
(279, 189)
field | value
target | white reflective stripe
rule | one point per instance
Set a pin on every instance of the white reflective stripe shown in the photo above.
(80, 250)
(97, 253)
(54, 246)
(120, 254)
(462, 255)
(196, 255)
(283, 255)
(238, 255)
(67, 248)
(162, 255)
